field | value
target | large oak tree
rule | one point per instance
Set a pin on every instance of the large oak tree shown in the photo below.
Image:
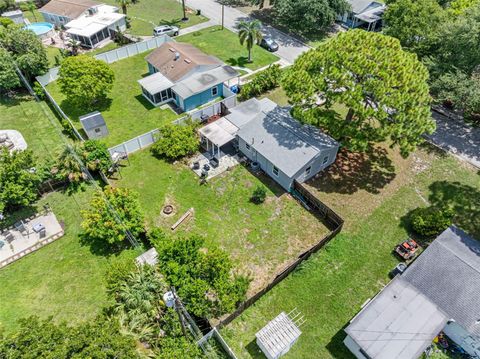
(383, 87)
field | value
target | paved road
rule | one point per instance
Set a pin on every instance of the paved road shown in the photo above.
(458, 138)
(290, 48)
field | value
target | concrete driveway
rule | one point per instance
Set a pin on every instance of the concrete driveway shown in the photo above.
(289, 47)
(457, 137)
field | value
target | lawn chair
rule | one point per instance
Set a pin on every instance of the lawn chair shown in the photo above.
(20, 226)
(9, 237)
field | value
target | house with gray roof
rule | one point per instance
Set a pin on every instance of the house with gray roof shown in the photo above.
(182, 74)
(363, 13)
(439, 291)
(267, 134)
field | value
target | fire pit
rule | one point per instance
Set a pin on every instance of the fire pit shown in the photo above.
(168, 209)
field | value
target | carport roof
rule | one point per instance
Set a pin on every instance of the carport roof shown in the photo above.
(219, 132)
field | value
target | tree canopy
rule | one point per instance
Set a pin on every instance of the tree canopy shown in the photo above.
(18, 179)
(107, 209)
(175, 141)
(85, 81)
(383, 87)
(8, 76)
(309, 16)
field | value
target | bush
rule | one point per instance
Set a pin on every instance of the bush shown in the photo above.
(264, 81)
(175, 141)
(431, 221)
(259, 194)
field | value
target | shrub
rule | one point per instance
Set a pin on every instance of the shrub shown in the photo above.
(259, 194)
(431, 221)
(175, 141)
(264, 81)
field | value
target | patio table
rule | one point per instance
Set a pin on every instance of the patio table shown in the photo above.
(38, 228)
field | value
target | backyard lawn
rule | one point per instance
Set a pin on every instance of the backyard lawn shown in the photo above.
(260, 238)
(146, 14)
(128, 113)
(225, 45)
(330, 287)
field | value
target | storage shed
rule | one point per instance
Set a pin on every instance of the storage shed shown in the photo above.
(278, 336)
(94, 125)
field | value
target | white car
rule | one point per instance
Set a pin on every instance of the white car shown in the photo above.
(166, 30)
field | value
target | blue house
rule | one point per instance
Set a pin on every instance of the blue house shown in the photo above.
(182, 74)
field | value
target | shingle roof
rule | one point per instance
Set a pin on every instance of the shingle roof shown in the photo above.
(284, 141)
(359, 6)
(69, 8)
(448, 273)
(92, 120)
(202, 81)
(398, 324)
(164, 59)
(244, 112)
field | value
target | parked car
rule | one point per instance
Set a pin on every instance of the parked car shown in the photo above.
(166, 30)
(269, 44)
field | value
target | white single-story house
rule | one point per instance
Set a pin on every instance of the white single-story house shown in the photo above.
(84, 20)
(439, 291)
(267, 134)
(182, 74)
(364, 13)
(94, 125)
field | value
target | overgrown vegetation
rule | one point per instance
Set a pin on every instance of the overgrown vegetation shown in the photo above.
(262, 82)
(431, 221)
(175, 141)
(259, 195)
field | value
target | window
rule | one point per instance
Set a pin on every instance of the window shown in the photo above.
(325, 159)
(214, 91)
(97, 130)
(247, 146)
(308, 170)
(275, 171)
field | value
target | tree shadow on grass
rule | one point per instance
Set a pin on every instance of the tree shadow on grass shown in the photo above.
(353, 171)
(74, 111)
(241, 61)
(147, 104)
(102, 248)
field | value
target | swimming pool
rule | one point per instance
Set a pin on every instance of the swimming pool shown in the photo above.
(41, 29)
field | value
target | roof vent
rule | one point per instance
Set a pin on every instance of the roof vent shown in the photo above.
(177, 56)
(188, 61)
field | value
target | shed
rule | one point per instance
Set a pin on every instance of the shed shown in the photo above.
(94, 125)
(16, 16)
(278, 336)
(149, 257)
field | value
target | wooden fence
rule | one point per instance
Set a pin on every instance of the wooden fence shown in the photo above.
(333, 221)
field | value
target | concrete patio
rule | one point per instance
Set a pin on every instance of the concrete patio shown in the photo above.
(225, 163)
(27, 236)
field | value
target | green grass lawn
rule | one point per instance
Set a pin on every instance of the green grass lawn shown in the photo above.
(260, 238)
(146, 14)
(128, 114)
(224, 44)
(30, 119)
(330, 287)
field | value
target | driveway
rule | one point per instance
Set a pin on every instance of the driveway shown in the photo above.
(457, 137)
(289, 47)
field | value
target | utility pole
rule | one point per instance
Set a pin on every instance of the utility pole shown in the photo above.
(185, 18)
(177, 306)
(223, 16)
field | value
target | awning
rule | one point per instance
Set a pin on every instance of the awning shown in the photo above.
(155, 83)
(219, 132)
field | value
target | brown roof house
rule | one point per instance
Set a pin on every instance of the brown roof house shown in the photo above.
(182, 74)
(60, 12)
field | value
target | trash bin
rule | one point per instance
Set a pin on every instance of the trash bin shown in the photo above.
(199, 12)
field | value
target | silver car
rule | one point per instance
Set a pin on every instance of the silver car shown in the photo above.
(165, 30)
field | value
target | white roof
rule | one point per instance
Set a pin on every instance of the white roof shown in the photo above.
(279, 334)
(155, 83)
(398, 324)
(149, 257)
(219, 132)
(88, 25)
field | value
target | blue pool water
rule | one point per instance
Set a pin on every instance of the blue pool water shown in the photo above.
(39, 28)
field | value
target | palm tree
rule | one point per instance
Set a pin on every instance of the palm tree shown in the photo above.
(73, 45)
(67, 165)
(250, 34)
(124, 4)
(30, 6)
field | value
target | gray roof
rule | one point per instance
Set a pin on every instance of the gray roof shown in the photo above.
(202, 81)
(359, 6)
(92, 120)
(155, 83)
(285, 142)
(12, 13)
(448, 272)
(398, 324)
(246, 111)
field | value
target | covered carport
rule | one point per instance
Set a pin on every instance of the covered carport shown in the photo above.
(217, 134)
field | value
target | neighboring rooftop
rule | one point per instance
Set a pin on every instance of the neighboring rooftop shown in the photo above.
(398, 324)
(88, 25)
(69, 8)
(246, 111)
(92, 120)
(175, 60)
(203, 81)
(448, 273)
(360, 6)
(284, 141)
